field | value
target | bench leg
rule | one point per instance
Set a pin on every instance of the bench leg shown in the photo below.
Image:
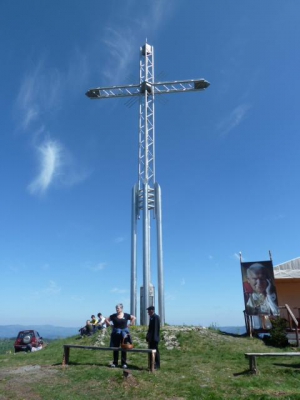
(66, 356)
(152, 361)
(252, 364)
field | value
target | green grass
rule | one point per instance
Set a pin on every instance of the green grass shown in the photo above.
(208, 365)
(6, 346)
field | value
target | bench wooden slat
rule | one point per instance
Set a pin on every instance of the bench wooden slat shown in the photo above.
(252, 358)
(291, 354)
(109, 348)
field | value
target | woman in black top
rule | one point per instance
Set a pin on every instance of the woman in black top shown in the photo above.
(120, 330)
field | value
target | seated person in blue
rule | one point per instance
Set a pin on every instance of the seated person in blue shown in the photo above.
(119, 331)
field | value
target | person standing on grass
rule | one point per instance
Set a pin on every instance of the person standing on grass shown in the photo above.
(119, 331)
(153, 334)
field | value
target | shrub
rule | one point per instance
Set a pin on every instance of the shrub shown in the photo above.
(277, 333)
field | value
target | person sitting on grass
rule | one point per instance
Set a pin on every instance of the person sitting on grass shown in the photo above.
(94, 322)
(101, 321)
(88, 329)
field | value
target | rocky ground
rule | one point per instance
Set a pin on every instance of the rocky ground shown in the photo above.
(168, 335)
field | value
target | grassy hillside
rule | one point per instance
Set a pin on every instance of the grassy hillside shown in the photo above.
(6, 345)
(196, 363)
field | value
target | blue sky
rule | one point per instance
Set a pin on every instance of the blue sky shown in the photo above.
(226, 158)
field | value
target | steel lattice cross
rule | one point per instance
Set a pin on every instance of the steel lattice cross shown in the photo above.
(146, 195)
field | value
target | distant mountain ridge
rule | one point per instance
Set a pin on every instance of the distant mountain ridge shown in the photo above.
(60, 332)
(235, 330)
(46, 331)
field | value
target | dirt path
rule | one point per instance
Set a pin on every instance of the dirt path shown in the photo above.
(18, 383)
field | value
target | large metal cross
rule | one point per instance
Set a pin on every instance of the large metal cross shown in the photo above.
(146, 195)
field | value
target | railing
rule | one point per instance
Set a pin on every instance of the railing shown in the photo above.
(292, 320)
(293, 323)
(255, 324)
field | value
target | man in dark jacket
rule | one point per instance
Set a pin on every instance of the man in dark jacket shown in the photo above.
(152, 336)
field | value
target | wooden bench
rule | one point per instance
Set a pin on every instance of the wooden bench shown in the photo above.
(252, 358)
(67, 347)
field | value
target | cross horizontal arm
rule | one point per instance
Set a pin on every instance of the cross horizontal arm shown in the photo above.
(152, 88)
(180, 86)
(114, 91)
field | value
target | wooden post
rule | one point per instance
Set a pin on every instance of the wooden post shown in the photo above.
(66, 355)
(252, 364)
(250, 325)
(294, 319)
(297, 336)
(297, 327)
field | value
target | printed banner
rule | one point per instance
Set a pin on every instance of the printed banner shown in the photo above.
(259, 288)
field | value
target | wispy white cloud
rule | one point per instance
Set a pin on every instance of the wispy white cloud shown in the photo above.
(71, 174)
(121, 49)
(42, 89)
(182, 283)
(234, 119)
(158, 13)
(122, 42)
(51, 290)
(14, 268)
(77, 298)
(26, 103)
(97, 267)
(276, 217)
(117, 290)
(169, 297)
(39, 92)
(30, 114)
(50, 160)
(119, 239)
(77, 74)
(40, 96)
(55, 165)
